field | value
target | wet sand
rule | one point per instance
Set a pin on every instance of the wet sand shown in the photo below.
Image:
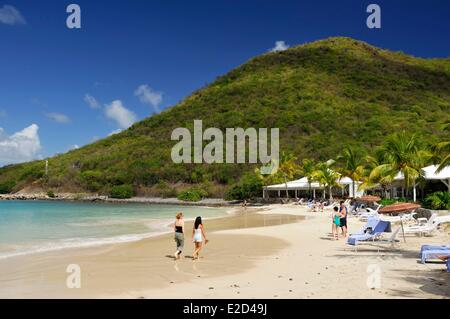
(130, 268)
(294, 256)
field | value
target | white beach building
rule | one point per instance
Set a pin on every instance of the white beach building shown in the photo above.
(431, 174)
(303, 185)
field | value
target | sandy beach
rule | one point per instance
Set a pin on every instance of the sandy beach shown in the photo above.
(278, 251)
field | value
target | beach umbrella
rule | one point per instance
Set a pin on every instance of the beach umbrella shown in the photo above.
(399, 209)
(370, 198)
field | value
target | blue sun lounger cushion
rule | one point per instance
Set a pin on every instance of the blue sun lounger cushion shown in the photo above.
(371, 223)
(433, 247)
(433, 254)
(380, 228)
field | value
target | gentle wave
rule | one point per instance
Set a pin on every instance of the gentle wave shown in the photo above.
(72, 243)
(115, 222)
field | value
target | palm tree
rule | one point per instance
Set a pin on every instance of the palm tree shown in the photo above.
(287, 170)
(307, 170)
(353, 168)
(376, 174)
(326, 176)
(444, 147)
(402, 154)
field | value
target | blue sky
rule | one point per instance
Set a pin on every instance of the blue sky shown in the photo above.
(138, 57)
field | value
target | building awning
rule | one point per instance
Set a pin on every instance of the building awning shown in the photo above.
(302, 184)
(431, 174)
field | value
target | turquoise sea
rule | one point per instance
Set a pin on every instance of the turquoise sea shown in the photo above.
(37, 226)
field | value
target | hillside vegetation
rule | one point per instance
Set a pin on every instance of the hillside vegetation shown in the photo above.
(322, 96)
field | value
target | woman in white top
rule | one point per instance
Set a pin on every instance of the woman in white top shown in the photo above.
(198, 235)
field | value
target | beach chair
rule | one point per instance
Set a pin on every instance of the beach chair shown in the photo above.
(376, 234)
(391, 241)
(329, 207)
(442, 219)
(369, 212)
(406, 218)
(426, 229)
(371, 223)
(429, 252)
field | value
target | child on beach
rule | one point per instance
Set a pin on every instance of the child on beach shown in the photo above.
(198, 234)
(336, 223)
(179, 234)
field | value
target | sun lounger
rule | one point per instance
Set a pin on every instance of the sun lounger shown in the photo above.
(370, 213)
(433, 247)
(331, 205)
(426, 229)
(379, 229)
(371, 223)
(390, 241)
(433, 253)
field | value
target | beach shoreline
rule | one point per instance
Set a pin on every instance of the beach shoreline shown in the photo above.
(292, 257)
(72, 197)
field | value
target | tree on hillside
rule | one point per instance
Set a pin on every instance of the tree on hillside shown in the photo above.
(288, 169)
(307, 170)
(353, 165)
(382, 177)
(444, 148)
(403, 153)
(326, 176)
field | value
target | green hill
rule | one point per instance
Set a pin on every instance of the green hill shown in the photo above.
(322, 95)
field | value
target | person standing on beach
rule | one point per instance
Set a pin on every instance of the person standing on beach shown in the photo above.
(343, 212)
(198, 235)
(336, 223)
(179, 235)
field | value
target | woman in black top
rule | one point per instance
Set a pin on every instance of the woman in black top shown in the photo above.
(179, 235)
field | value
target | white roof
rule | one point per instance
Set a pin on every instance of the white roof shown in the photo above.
(430, 173)
(302, 184)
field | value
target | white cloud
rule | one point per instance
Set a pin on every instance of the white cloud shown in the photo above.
(11, 16)
(58, 117)
(21, 146)
(148, 96)
(91, 101)
(117, 112)
(73, 147)
(280, 46)
(115, 132)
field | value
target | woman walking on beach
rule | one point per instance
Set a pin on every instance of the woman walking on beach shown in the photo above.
(198, 234)
(179, 235)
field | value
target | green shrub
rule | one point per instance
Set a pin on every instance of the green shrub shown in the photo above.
(92, 179)
(386, 201)
(165, 190)
(122, 191)
(250, 186)
(7, 187)
(438, 200)
(51, 194)
(193, 194)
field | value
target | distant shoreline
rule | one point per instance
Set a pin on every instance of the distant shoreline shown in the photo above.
(214, 202)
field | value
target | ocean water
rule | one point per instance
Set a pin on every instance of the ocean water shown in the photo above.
(37, 226)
